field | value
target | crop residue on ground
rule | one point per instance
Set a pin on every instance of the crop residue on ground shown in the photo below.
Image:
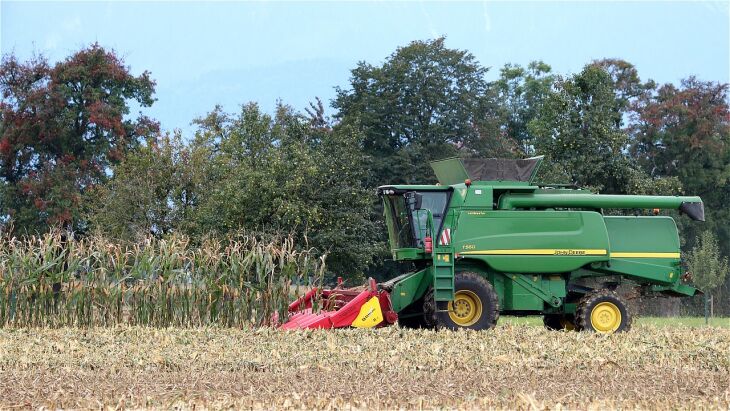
(512, 366)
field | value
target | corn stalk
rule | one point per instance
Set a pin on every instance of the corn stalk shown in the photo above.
(239, 281)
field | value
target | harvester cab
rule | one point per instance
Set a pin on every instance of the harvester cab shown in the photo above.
(487, 240)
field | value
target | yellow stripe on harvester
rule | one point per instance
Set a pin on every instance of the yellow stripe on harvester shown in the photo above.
(538, 251)
(569, 252)
(645, 255)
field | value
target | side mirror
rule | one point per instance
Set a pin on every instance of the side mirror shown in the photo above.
(414, 199)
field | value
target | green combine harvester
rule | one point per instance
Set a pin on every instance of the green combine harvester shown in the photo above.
(486, 240)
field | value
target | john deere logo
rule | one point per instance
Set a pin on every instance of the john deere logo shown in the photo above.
(570, 252)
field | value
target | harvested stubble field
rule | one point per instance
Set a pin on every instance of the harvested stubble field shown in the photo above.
(514, 366)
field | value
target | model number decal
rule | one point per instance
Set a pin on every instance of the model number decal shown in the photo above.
(469, 247)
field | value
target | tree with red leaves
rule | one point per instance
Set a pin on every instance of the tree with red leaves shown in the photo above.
(62, 129)
(685, 132)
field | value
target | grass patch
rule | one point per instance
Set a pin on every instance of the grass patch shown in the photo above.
(723, 322)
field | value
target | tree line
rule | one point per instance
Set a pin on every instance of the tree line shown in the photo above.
(72, 155)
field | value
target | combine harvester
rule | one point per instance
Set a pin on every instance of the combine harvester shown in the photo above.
(487, 241)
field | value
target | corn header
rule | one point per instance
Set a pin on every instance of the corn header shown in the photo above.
(487, 240)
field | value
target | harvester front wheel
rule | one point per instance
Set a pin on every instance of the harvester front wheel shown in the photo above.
(603, 311)
(475, 305)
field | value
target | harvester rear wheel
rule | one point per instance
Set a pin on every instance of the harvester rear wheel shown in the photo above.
(559, 322)
(475, 305)
(603, 311)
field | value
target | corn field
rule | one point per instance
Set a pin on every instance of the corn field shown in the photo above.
(241, 281)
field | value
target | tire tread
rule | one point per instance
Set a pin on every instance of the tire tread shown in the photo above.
(583, 315)
(432, 314)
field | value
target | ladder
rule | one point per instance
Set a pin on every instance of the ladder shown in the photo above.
(443, 274)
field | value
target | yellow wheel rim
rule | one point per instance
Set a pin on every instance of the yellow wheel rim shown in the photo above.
(466, 309)
(605, 317)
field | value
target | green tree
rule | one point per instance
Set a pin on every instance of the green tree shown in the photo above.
(153, 191)
(628, 87)
(706, 262)
(580, 128)
(521, 93)
(287, 173)
(425, 102)
(62, 128)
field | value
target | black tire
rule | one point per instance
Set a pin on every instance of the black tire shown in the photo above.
(472, 287)
(603, 305)
(559, 322)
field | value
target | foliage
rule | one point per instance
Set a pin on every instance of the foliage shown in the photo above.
(521, 94)
(425, 102)
(286, 173)
(580, 126)
(706, 263)
(50, 280)
(684, 132)
(281, 174)
(153, 191)
(61, 129)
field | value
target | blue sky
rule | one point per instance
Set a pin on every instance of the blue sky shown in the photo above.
(229, 53)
